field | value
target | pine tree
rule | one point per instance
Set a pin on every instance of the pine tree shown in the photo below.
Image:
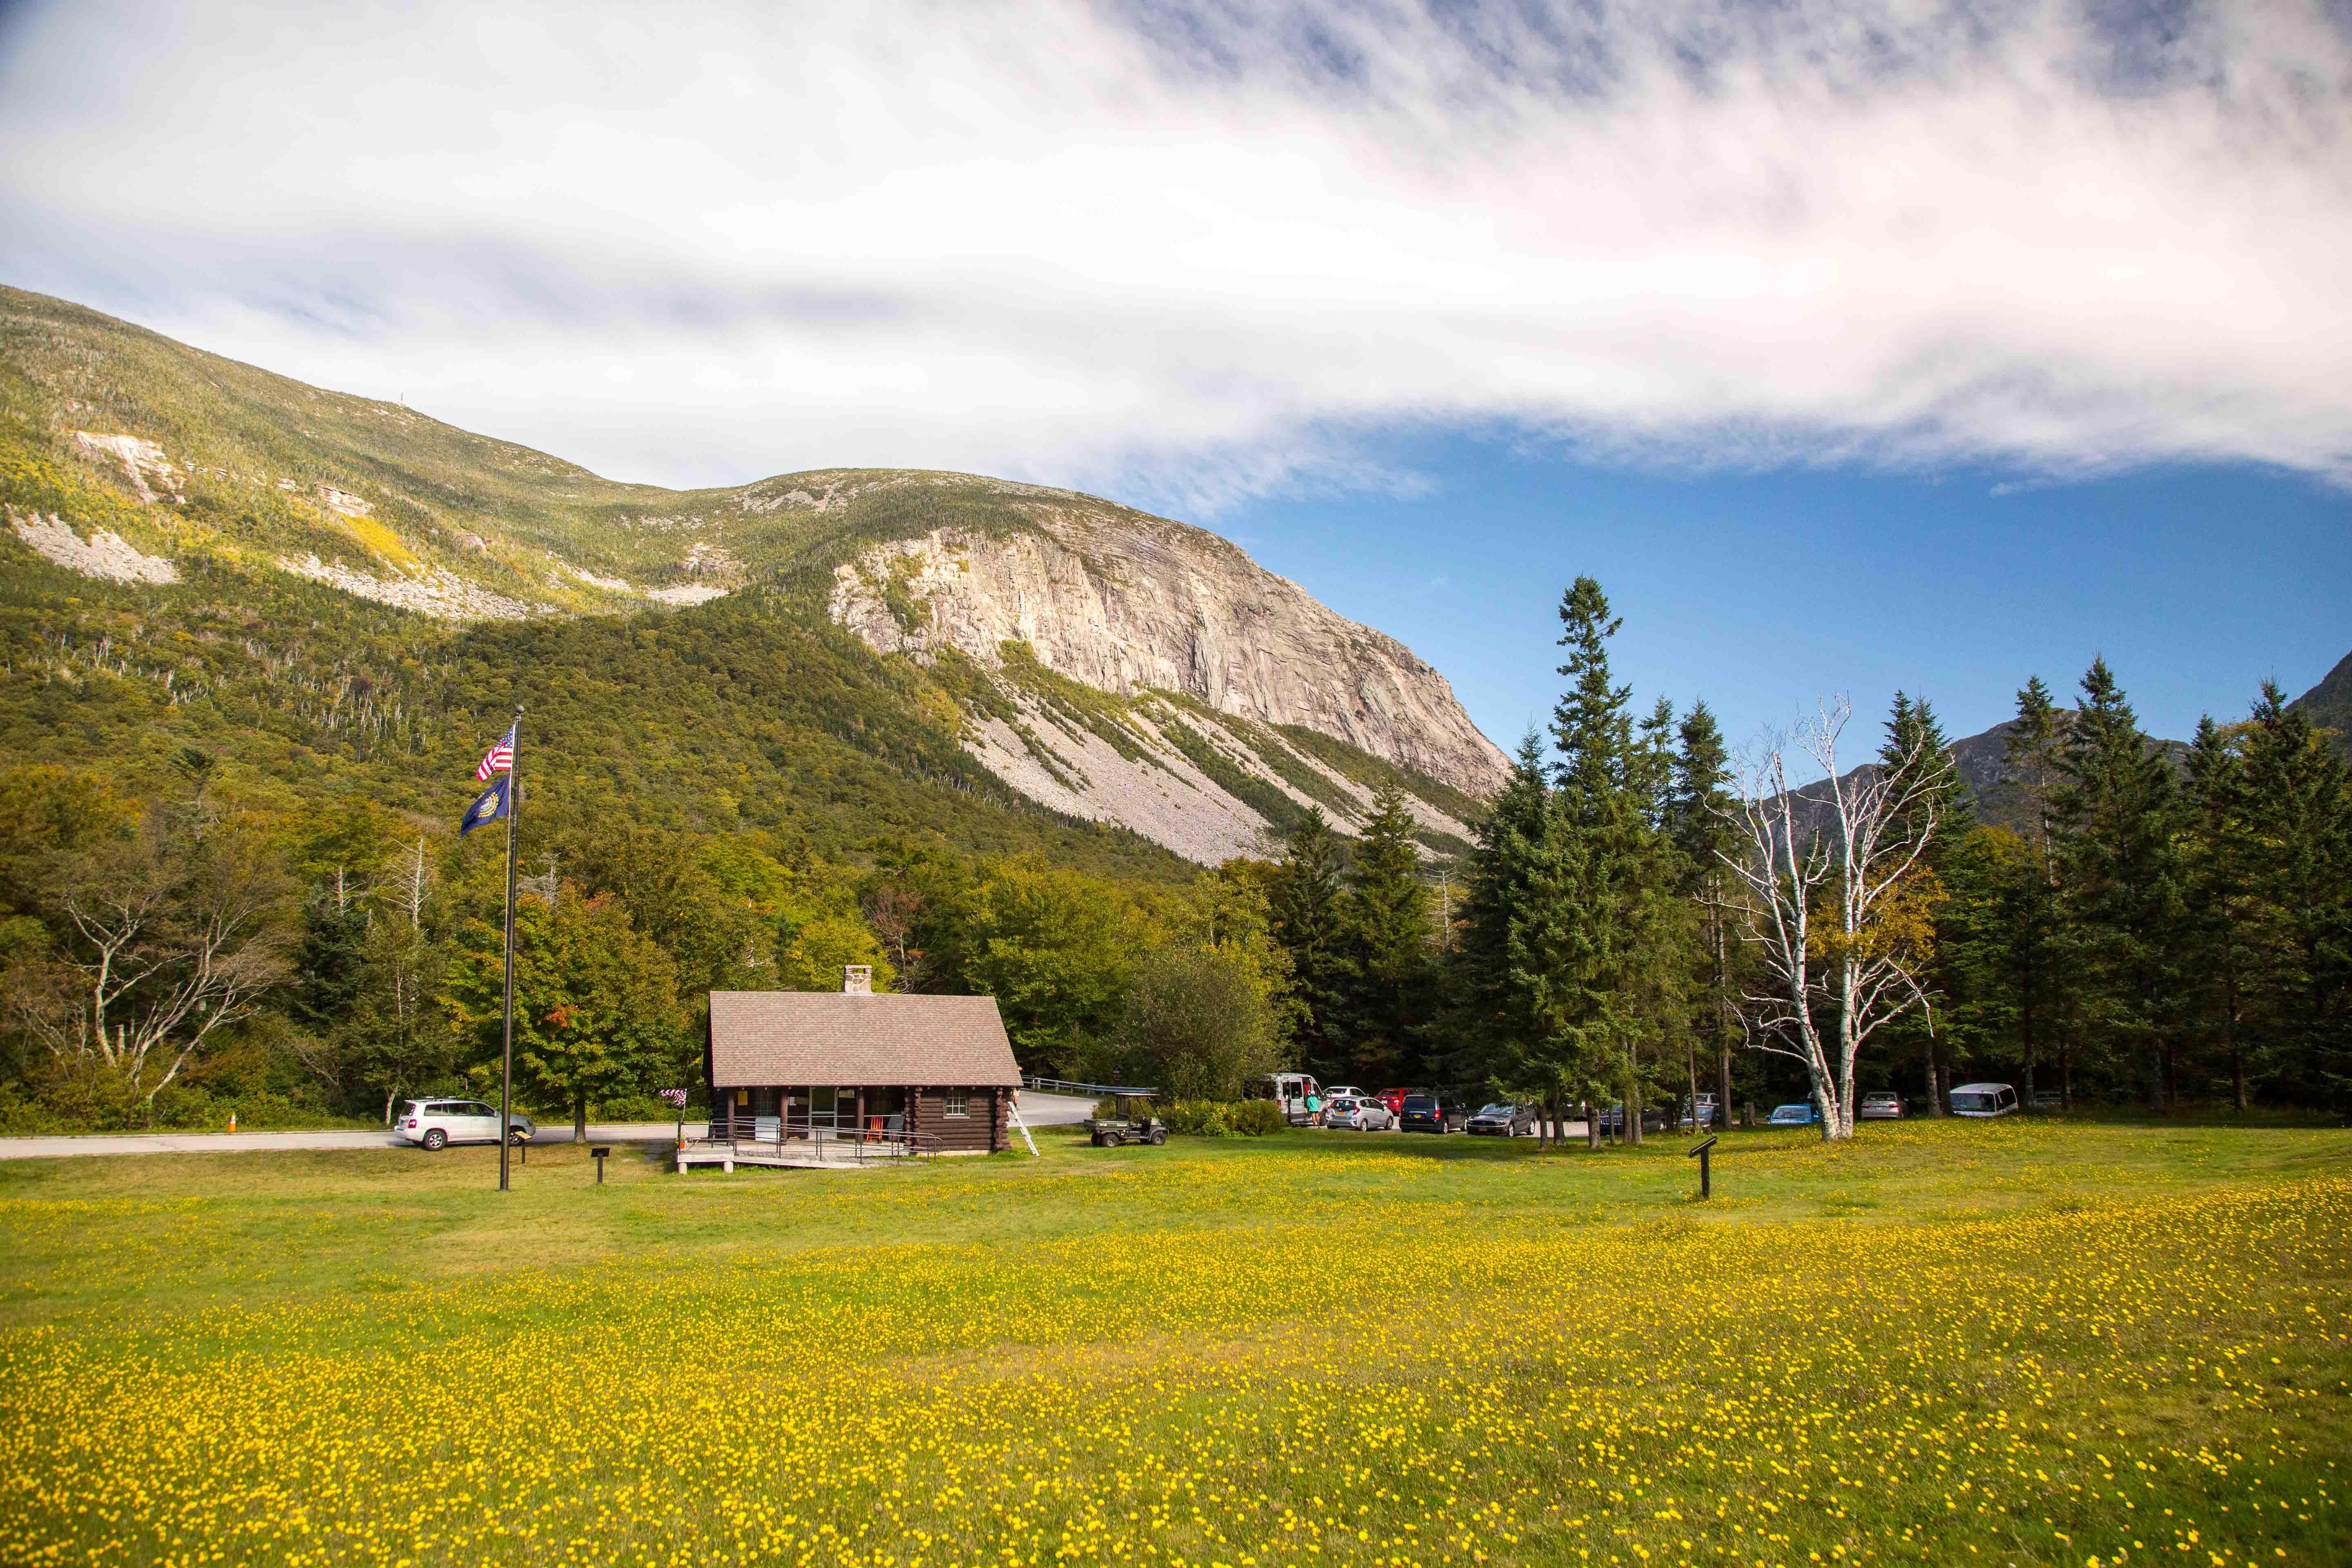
(2032, 750)
(1615, 898)
(1384, 910)
(1941, 813)
(1504, 1011)
(2024, 961)
(1304, 897)
(2115, 811)
(1700, 828)
(2216, 913)
(2294, 815)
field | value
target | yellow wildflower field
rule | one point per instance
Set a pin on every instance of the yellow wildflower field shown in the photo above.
(2007, 1344)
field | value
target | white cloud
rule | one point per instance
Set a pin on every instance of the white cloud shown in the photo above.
(1217, 253)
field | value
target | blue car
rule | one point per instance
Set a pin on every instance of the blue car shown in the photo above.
(1801, 1114)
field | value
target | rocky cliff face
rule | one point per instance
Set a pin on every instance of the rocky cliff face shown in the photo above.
(1130, 604)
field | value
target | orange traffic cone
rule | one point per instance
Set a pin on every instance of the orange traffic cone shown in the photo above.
(232, 1121)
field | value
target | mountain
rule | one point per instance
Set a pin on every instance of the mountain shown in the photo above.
(301, 570)
(2329, 704)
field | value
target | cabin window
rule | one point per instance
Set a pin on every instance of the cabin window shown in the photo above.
(959, 1105)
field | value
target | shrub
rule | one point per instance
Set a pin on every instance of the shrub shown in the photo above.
(1257, 1118)
(1220, 1118)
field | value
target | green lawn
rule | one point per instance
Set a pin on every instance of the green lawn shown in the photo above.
(2008, 1343)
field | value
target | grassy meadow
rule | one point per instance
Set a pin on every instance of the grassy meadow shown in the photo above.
(2017, 1343)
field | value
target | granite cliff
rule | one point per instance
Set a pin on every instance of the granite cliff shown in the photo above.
(1107, 664)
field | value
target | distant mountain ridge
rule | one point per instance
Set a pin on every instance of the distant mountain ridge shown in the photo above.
(1994, 791)
(1107, 664)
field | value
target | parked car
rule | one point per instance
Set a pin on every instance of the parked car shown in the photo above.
(1503, 1120)
(1699, 1114)
(438, 1124)
(1613, 1120)
(1298, 1095)
(1983, 1099)
(1345, 1091)
(2049, 1100)
(1422, 1113)
(1882, 1106)
(1801, 1113)
(1357, 1113)
(1393, 1099)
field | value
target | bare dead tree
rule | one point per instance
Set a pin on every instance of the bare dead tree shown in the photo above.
(892, 913)
(1827, 899)
(409, 891)
(173, 936)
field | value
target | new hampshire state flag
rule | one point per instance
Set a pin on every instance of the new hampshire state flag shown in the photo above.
(489, 808)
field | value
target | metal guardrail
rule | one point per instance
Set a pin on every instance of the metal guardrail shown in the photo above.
(1062, 1085)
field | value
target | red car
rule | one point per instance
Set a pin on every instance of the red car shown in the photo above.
(1393, 1099)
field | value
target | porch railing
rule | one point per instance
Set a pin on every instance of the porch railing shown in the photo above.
(846, 1144)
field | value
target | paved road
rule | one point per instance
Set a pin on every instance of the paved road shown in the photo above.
(1037, 1109)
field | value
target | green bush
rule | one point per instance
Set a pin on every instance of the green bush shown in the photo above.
(1257, 1118)
(1220, 1118)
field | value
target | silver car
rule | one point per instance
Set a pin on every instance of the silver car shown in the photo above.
(1881, 1106)
(438, 1124)
(1366, 1115)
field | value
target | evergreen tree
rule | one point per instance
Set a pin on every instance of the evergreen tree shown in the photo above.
(1384, 910)
(1303, 896)
(1954, 1020)
(2216, 913)
(2114, 811)
(1505, 1012)
(2032, 750)
(327, 964)
(1699, 825)
(2295, 863)
(1614, 893)
(2023, 963)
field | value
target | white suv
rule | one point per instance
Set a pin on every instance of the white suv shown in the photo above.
(438, 1124)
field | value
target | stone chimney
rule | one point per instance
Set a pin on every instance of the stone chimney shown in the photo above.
(856, 979)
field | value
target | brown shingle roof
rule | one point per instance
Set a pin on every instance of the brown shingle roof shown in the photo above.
(768, 1037)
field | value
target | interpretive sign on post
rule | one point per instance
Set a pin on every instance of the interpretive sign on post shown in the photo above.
(1705, 1182)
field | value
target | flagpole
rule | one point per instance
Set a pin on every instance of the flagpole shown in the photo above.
(506, 1048)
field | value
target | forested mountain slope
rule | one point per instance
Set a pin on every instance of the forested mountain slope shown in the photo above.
(336, 593)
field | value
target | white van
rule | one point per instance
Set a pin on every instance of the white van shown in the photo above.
(438, 1124)
(1983, 1099)
(1300, 1097)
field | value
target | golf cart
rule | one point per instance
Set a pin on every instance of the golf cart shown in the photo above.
(1130, 1126)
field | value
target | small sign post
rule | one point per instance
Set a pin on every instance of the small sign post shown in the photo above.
(600, 1151)
(1705, 1182)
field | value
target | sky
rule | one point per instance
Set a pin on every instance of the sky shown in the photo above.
(1853, 345)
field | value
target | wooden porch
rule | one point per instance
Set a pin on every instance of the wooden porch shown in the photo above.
(806, 1148)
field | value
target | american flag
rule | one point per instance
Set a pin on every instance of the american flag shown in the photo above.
(500, 759)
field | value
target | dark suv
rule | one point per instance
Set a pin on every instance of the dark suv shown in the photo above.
(1422, 1113)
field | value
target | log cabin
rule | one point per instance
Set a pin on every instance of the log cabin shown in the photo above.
(935, 1072)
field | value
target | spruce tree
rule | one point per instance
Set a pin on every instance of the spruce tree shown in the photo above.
(2114, 811)
(1615, 899)
(2294, 812)
(1701, 830)
(2024, 962)
(2217, 916)
(1941, 813)
(1505, 1013)
(1303, 896)
(1383, 909)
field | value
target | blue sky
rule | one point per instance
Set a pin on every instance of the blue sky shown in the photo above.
(1758, 593)
(1852, 343)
